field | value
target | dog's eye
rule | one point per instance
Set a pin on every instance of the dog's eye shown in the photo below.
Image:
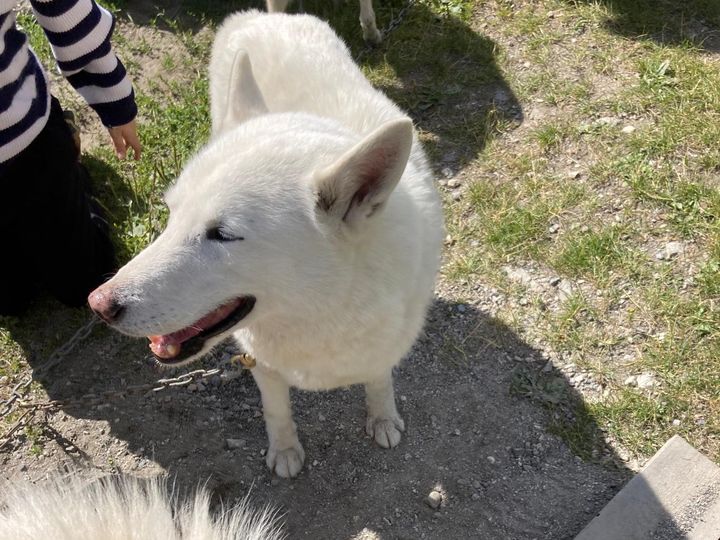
(219, 235)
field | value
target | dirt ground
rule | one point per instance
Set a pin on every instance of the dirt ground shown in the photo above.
(470, 435)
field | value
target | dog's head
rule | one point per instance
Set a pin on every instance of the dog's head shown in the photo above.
(263, 221)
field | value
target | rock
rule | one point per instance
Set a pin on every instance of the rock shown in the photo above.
(492, 460)
(461, 308)
(235, 444)
(321, 417)
(192, 387)
(673, 249)
(555, 281)
(574, 174)
(565, 289)
(555, 227)
(628, 129)
(453, 183)
(523, 277)
(434, 500)
(456, 196)
(630, 381)
(608, 121)
(646, 380)
(548, 367)
(676, 422)
(447, 172)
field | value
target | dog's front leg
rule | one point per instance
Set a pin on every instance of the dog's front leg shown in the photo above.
(383, 421)
(285, 454)
(368, 24)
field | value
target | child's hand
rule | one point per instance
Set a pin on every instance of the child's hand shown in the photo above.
(125, 136)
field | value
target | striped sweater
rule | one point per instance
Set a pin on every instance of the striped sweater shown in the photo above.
(79, 33)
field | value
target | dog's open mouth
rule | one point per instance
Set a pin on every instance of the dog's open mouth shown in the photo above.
(180, 345)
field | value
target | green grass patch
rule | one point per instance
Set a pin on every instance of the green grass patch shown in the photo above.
(595, 254)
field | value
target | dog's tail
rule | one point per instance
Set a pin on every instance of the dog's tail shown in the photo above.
(125, 508)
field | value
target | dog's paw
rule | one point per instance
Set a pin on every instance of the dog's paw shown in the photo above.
(372, 36)
(385, 431)
(286, 463)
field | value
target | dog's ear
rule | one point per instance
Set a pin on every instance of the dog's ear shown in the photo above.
(244, 97)
(358, 184)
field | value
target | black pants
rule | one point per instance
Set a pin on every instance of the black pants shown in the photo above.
(52, 234)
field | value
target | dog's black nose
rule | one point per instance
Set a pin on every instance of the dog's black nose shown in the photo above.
(103, 302)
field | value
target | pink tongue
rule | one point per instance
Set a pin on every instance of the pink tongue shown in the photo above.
(169, 345)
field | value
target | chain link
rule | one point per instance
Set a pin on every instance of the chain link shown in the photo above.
(392, 25)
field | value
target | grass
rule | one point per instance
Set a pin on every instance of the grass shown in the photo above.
(515, 98)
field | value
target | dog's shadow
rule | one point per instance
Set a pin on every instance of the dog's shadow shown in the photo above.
(489, 425)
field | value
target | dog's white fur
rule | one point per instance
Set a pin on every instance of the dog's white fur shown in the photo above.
(67, 508)
(367, 17)
(323, 177)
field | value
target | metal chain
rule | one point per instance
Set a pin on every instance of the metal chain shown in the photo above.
(392, 25)
(21, 388)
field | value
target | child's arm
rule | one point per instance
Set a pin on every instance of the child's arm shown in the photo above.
(79, 32)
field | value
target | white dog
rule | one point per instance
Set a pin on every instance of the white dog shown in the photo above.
(309, 227)
(367, 18)
(121, 509)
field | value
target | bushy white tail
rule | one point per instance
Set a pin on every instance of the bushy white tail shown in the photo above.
(124, 508)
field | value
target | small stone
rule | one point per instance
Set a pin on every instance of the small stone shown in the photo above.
(676, 422)
(555, 227)
(456, 432)
(434, 500)
(454, 183)
(628, 129)
(407, 457)
(321, 417)
(631, 381)
(235, 444)
(192, 387)
(555, 281)
(548, 367)
(476, 484)
(263, 452)
(316, 463)
(447, 172)
(475, 496)
(673, 249)
(449, 241)
(456, 196)
(646, 380)
(574, 174)
(608, 121)
(491, 459)
(461, 308)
